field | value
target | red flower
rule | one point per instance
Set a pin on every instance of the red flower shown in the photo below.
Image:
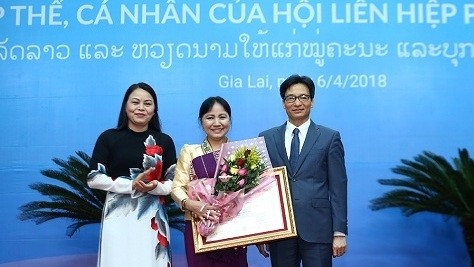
(240, 162)
(152, 150)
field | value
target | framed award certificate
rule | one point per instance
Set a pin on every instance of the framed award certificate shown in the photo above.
(266, 215)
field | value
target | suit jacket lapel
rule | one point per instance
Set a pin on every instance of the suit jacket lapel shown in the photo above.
(280, 143)
(311, 138)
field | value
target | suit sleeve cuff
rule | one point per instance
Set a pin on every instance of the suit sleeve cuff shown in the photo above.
(339, 234)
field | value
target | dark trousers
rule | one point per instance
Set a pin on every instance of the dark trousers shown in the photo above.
(292, 252)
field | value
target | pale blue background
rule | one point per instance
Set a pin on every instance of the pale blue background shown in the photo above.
(52, 108)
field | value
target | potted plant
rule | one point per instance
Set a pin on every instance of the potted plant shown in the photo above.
(430, 183)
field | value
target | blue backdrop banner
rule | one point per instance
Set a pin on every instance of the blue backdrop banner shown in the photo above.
(394, 77)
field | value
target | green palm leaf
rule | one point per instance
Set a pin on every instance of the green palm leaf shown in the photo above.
(429, 183)
(71, 198)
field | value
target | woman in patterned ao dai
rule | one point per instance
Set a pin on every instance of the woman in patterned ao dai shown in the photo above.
(131, 163)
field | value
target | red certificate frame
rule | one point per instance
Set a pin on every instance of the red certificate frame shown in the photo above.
(265, 216)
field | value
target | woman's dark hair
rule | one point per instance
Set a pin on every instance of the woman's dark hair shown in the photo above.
(294, 79)
(154, 123)
(207, 105)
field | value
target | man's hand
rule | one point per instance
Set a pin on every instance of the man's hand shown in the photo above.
(339, 246)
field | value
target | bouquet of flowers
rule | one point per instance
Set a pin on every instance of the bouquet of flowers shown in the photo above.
(240, 172)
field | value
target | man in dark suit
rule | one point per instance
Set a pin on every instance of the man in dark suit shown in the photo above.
(314, 157)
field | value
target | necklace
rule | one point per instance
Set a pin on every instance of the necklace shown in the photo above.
(207, 147)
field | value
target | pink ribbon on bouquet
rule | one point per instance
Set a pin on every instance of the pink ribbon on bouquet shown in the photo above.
(229, 203)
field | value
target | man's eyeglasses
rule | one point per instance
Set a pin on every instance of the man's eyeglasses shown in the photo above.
(301, 98)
